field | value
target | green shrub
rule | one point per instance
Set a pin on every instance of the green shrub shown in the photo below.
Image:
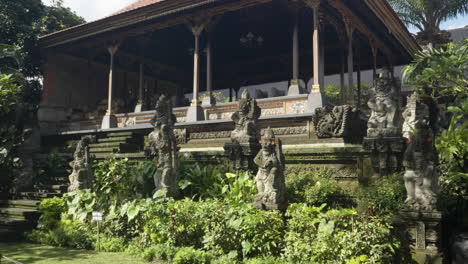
(180, 223)
(316, 188)
(267, 260)
(245, 229)
(51, 209)
(336, 236)
(62, 237)
(230, 258)
(385, 196)
(111, 244)
(189, 255)
(117, 181)
(160, 252)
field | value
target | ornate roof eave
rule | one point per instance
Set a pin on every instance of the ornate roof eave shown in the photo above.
(387, 15)
(132, 17)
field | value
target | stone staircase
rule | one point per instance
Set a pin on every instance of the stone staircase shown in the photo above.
(17, 217)
(119, 145)
(18, 211)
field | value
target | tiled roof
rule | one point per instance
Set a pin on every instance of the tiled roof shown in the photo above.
(138, 4)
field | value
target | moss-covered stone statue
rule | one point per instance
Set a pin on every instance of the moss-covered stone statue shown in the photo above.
(163, 145)
(270, 176)
(246, 134)
(422, 218)
(420, 158)
(82, 174)
(384, 139)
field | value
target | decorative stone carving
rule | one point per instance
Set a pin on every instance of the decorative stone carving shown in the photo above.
(244, 139)
(384, 139)
(337, 121)
(420, 161)
(81, 176)
(270, 176)
(420, 158)
(384, 104)
(163, 145)
(245, 120)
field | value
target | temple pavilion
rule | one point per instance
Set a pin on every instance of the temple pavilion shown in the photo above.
(105, 76)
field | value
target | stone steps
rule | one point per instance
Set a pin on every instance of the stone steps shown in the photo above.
(113, 139)
(52, 188)
(19, 213)
(35, 195)
(27, 204)
(136, 155)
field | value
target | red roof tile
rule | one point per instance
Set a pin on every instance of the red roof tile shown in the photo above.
(138, 4)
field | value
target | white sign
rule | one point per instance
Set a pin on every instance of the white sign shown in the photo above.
(97, 216)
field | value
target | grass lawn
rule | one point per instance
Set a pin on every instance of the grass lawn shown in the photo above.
(28, 253)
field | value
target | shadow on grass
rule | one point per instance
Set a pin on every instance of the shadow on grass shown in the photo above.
(32, 253)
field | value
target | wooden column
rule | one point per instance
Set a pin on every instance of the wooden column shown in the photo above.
(316, 51)
(349, 32)
(342, 79)
(322, 63)
(358, 104)
(295, 86)
(195, 111)
(374, 57)
(109, 120)
(141, 78)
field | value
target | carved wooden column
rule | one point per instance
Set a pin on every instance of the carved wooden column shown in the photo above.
(342, 75)
(195, 111)
(322, 61)
(349, 32)
(141, 77)
(295, 86)
(210, 27)
(109, 120)
(316, 98)
(374, 56)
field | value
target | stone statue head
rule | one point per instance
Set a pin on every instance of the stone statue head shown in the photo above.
(268, 141)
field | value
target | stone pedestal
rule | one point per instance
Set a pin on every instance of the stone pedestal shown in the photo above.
(315, 100)
(195, 113)
(386, 153)
(242, 154)
(109, 121)
(422, 229)
(139, 108)
(296, 88)
(209, 101)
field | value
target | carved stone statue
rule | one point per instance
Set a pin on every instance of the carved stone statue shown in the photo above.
(420, 158)
(81, 177)
(245, 120)
(384, 104)
(337, 121)
(163, 145)
(270, 176)
(384, 139)
(246, 134)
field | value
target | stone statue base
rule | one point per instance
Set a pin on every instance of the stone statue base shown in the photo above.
(109, 121)
(422, 229)
(242, 154)
(386, 153)
(270, 206)
(195, 113)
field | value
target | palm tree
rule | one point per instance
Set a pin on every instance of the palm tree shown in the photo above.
(427, 15)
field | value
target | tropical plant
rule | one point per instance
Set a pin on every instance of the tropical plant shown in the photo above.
(440, 72)
(427, 15)
(336, 236)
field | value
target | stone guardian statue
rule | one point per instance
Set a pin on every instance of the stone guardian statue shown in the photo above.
(270, 176)
(246, 134)
(163, 145)
(82, 174)
(384, 140)
(420, 158)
